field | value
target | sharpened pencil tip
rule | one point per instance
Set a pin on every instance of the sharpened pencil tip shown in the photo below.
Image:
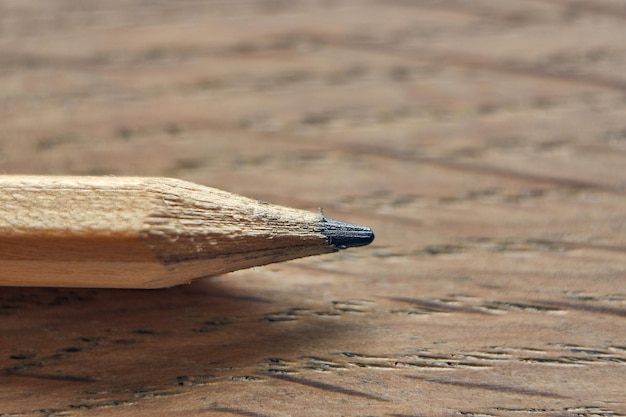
(345, 235)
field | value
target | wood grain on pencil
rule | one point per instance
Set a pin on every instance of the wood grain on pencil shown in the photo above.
(128, 232)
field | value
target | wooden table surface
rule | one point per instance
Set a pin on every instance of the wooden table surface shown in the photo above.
(483, 141)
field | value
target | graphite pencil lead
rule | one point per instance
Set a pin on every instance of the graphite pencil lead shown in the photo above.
(342, 235)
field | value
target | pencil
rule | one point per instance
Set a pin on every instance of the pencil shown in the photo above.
(133, 232)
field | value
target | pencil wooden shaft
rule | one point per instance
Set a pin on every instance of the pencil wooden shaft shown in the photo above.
(129, 232)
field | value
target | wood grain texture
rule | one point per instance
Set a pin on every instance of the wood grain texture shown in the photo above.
(483, 141)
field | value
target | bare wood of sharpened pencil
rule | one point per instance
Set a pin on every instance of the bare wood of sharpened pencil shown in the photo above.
(131, 232)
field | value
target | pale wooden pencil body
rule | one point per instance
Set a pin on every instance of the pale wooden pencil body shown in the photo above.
(140, 232)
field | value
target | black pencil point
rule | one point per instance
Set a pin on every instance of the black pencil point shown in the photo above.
(345, 235)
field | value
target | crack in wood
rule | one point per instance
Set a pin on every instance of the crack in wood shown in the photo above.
(336, 389)
(507, 389)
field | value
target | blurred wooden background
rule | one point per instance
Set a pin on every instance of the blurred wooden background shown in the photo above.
(483, 141)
